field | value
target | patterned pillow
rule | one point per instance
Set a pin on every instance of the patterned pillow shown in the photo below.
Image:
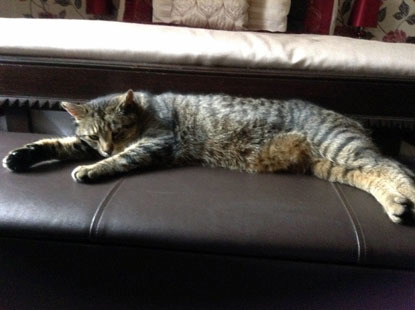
(213, 14)
(395, 22)
(268, 15)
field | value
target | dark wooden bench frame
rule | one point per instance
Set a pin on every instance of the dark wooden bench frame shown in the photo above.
(41, 83)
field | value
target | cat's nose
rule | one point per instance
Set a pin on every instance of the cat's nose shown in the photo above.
(108, 148)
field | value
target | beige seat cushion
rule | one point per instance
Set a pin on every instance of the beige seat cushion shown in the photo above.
(153, 44)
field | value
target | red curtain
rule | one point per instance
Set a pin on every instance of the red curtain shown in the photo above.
(319, 15)
(98, 7)
(139, 11)
(365, 13)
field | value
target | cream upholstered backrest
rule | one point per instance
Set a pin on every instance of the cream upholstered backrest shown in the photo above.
(157, 44)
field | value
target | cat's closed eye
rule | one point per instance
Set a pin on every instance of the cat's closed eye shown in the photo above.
(93, 137)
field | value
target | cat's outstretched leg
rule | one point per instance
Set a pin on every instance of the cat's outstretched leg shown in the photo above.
(69, 148)
(346, 154)
(144, 153)
(392, 187)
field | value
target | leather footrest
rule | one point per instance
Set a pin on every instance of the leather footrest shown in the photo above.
(203, 210)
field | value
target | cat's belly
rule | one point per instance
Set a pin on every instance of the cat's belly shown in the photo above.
(288, 151)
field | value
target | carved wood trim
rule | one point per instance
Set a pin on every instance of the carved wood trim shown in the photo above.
(30, 102)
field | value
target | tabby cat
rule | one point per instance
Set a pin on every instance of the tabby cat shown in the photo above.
(136, 130)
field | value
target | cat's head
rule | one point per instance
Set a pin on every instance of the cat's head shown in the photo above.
(108, 124)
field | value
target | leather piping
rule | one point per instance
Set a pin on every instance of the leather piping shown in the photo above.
(96, 218)
(357, 227)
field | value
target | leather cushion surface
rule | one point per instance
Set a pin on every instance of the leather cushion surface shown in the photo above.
(45, 202)
(203, 210)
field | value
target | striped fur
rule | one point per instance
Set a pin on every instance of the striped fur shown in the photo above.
(136, 130)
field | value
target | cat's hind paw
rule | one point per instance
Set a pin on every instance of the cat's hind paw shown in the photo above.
(399, 208)
(84, 174)
(20, 159)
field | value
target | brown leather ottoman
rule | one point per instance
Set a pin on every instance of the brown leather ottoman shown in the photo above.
(202, 216)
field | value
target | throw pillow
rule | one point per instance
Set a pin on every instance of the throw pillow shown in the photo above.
(268, 15)
(213, 14)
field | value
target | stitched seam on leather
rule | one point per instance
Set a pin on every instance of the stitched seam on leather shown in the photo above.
(357, 227)
(96, 219)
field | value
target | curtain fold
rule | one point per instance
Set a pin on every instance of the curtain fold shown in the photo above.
(321, 15)
(365, 13)
(98, 7)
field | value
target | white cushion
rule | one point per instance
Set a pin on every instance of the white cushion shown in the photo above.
(115, 41)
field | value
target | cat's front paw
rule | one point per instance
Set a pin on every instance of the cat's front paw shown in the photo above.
(85, 174)
(20, 159)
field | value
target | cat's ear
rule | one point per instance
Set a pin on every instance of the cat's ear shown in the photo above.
(78, 111)
(127, 102)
